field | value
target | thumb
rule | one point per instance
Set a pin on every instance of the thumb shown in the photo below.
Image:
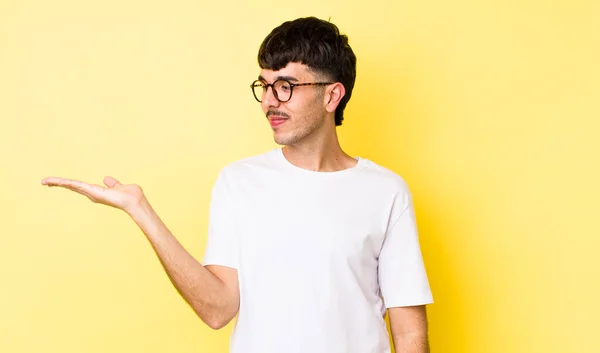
(111, 182)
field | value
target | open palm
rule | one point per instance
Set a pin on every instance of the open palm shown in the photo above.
(114, 194)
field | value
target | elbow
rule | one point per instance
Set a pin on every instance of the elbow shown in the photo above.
(216, 316)
(216, 323)
(215, 320)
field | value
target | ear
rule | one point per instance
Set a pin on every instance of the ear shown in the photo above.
(333, 96)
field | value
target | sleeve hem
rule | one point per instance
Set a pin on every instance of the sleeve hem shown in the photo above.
(414, 302)
(220, 263)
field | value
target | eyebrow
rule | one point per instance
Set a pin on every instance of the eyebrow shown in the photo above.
(289, 78)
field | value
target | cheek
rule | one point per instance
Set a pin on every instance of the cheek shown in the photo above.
(264, 107)
(300, 108)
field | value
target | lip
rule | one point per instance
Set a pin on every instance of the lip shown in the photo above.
(276, 121)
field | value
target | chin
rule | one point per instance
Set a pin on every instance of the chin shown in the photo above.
(281, 142)
(291, 137)
(284, 140)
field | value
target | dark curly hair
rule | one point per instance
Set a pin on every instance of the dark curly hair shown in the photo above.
(317, 44)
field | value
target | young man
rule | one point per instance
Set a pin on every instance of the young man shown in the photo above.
(306, 245)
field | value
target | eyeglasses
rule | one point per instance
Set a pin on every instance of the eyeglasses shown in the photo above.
(282, 89)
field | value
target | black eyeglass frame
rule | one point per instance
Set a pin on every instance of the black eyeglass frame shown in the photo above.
(292, 85)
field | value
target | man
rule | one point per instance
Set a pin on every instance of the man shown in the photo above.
(306, 245)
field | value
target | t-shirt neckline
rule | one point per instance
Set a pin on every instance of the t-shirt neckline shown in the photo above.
(279, 153)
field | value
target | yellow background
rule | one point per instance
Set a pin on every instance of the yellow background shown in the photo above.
(489, 110)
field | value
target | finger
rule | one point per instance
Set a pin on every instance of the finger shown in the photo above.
(111, 182)
(91, 191)
(67, 183)
(46, 181)
(56, 181)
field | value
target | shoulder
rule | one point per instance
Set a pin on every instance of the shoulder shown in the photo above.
(263, 160)
(242, 168)
(385, 178)
(393, 185)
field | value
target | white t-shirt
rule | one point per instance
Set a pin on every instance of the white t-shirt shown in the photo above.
(320, 255)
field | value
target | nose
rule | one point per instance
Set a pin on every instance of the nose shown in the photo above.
(269, 99)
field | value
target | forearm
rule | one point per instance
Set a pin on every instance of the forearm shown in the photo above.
(206, 293)
(411, 343)
(409, 328)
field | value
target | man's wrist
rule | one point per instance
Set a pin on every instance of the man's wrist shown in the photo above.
(142, 214)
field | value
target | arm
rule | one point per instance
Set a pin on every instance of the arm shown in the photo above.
(212, 291)
(408, 327)
(403, 280)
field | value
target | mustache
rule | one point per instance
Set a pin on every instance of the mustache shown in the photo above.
(277, 113)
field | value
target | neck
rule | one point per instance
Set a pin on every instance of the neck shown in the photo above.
(321, 154)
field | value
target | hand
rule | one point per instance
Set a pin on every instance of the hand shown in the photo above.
(124, 197)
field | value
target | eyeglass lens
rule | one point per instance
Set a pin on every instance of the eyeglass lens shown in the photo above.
(281, 89)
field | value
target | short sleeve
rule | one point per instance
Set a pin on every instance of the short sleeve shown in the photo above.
(402, 277)
(222, 245)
